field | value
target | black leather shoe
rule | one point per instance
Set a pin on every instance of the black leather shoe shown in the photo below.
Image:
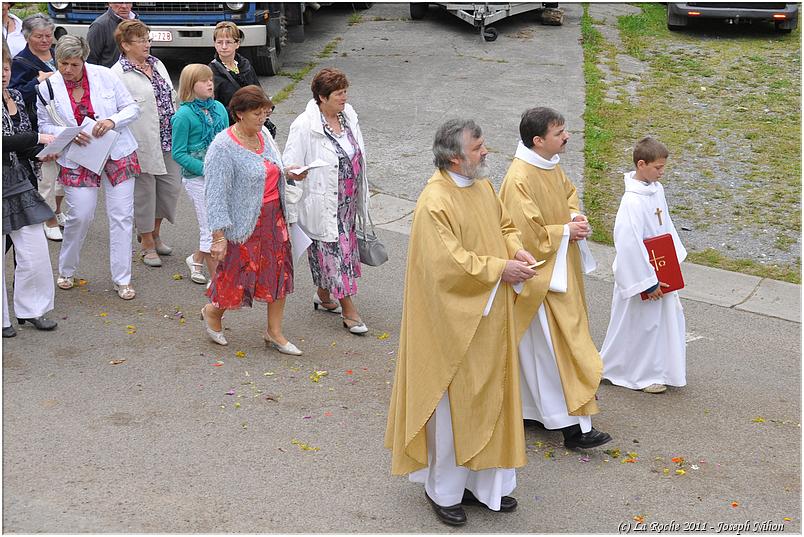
(453, 515)
(9, 331)
(507, 503)
(591, 439)
(40, 323)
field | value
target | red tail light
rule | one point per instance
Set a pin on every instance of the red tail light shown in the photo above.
(693, 13)
(779, 16)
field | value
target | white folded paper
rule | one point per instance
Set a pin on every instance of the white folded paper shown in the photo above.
(317, 163)
(93, 156)
(62, 140)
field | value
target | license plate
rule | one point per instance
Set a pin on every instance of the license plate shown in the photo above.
(161, 36)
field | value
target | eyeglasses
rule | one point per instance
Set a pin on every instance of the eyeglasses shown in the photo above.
(141, 41)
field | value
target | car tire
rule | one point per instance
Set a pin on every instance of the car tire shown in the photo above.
(418, 10)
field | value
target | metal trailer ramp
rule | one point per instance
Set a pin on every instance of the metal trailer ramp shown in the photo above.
(479, 15)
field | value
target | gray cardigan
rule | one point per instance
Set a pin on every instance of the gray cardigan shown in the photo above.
(235, 181)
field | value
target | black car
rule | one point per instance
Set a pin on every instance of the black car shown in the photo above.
(783, 16)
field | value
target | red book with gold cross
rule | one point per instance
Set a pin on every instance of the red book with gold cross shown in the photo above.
(662, 255)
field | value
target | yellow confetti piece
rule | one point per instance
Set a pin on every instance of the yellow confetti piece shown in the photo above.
(104, 314)
(549, 454)
(680, 472)
(131, 329)
(240, 354)
(787, 519)
(177, 277)
(758, 419)
(332, 344)
(82, 282)
(615, 453)
(666, 471)
(538, 444)
(304, 446)
(244, 425)
(269, 374)
(237, 405)
(632, 454)
(182, 320)
(384, 335)
(316, 376)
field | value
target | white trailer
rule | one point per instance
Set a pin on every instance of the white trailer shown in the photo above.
(482, 15)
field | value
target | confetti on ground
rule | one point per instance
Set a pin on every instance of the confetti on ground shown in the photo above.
(244, 425)
(82, 282)
(328, 414)
(735, 504)
(680, 472)
(217, 364)
(269, 374)
(678, 460)
(237, 405)
(614, 453)
(584, 458)
(240, 354)
(349, 372)
(629, 459)
(639, 519)
(307, 417)
(695, 467)
(104, 314)
(538, 444)
(178, 276)
(384, 335)
(230, 392)
(316, 376)
(549, 454)
(787, 519)
(117, 362)
(758, 419)
(303, 445)
(666, 471)
(131, 329)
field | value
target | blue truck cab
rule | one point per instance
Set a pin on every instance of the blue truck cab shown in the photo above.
(266, 27)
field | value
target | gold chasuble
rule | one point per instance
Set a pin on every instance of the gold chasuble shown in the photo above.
(460, 241)
(540, 202)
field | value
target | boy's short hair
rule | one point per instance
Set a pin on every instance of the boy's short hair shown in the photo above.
(536, 122)
(650, 150)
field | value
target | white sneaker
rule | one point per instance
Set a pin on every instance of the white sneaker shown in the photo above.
(53, 233)
(60, 219)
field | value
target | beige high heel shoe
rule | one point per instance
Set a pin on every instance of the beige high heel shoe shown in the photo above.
(217, 337)
(287, 348)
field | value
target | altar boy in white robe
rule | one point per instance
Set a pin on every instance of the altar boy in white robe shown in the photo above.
(559, 363)
(645, 346)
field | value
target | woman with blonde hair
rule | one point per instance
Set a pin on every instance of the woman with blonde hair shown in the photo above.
(195, 124)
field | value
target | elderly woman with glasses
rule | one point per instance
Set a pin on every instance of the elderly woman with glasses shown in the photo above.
(231, 70)
(82, 91)
(156, 191)
(35, 63)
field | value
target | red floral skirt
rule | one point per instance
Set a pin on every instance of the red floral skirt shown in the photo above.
(259, 269)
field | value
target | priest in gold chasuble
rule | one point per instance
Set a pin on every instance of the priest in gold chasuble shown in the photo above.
(455, 418)
(559, 363)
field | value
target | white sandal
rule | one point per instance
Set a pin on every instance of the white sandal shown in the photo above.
(126, 292)
(65, 282)
(196, 274)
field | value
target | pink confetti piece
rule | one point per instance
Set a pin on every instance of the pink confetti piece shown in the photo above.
(230, 392)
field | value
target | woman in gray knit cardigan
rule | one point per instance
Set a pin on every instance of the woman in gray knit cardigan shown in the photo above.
(245, 197)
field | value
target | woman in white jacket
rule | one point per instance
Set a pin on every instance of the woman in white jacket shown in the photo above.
(333, 194)
(77, 91)
(156, 190)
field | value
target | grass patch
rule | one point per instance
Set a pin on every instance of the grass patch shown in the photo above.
(355, 18)
(729, 109)
(712, 258)
(298, 76)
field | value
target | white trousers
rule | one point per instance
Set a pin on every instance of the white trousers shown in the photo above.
(33, 277)
(444, 481)
(80, 211)
(49, 186)
(195, 189)
(540, 384)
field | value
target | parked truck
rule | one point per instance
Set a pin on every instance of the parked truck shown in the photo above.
(267, 27)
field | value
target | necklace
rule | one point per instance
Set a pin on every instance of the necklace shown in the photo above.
(252, 144)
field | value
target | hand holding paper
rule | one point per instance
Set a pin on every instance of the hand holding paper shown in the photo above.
(317, 163)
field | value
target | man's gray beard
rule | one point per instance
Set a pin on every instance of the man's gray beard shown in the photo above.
(481, 170)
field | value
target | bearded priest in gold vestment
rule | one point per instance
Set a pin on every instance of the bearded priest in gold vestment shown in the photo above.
(455, 419)
(559, 363)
